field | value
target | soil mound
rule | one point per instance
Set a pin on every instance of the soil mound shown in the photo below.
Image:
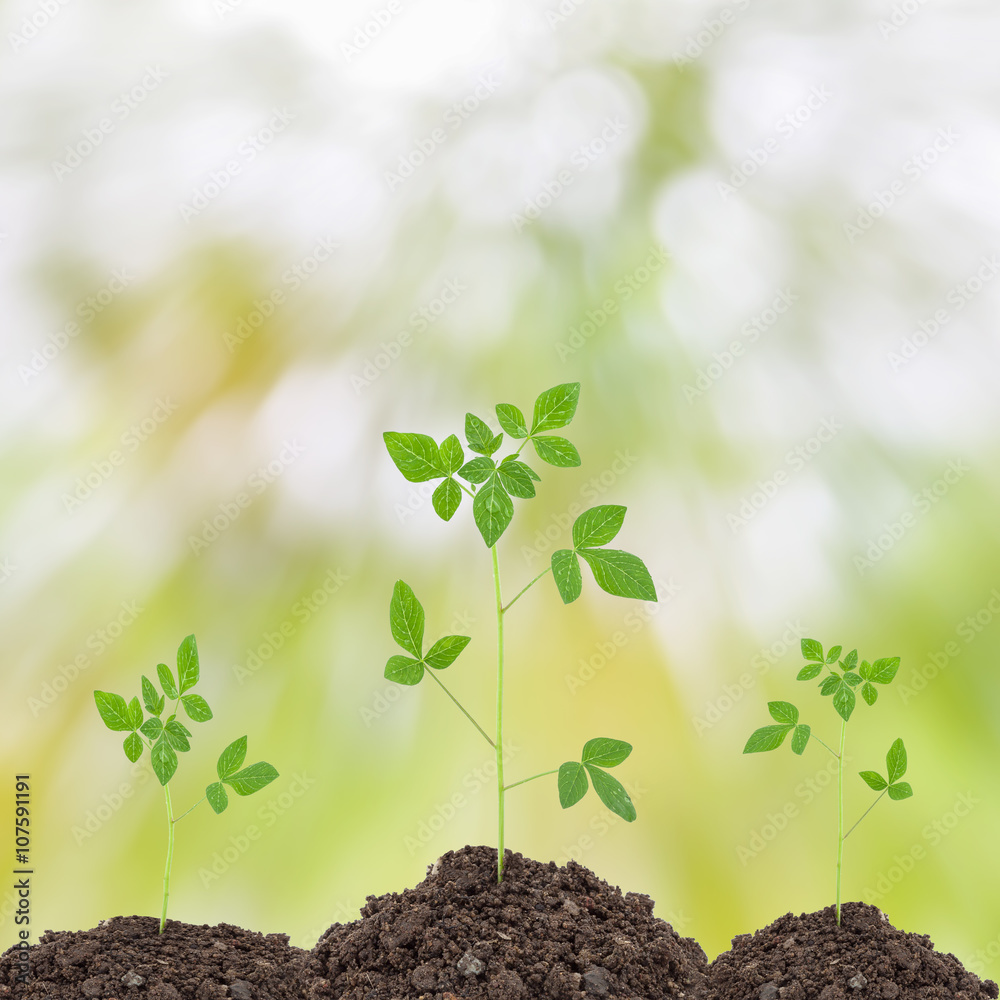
(126, 959)
(544, 933)
(810, 958)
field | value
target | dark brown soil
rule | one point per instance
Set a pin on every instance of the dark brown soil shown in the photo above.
(125, 959)
(810, 958)
(544, 932)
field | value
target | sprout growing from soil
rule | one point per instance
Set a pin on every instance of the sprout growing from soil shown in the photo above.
(492, 487)
(165, 738)
(842, 678)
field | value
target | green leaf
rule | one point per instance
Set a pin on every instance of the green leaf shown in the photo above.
(844, 701)
(865, 670)
(556, 451)
(492, 510)
(900, 791)
(516, 479)
(446, 498)
(252, 779)
(895, 761)
(231, 759)
(406, 619)
(512, 420)
(133, 747)
(187, 664)
(833, 654)
(605, 752)
(404, 670)
(620, 573)
(417, 456)
(217, 797)
(477, 470)
(612, 793)
(527, 468)
(767, 738)
(809, 671)
(851, 660)
(134, 713)
(870, 693)
(884, 670)
(555, 407)
(598, 526)
(445, 651)
(451, 454)
(196, 707)
(830, 685)
(150, 697)
(151, 729)
(164, 759)
(874, 780)
(167, 681)
(812, 650)
(176, 736)
(572, 783)
(800, 739)
(479, 435)
(566, 573)
(850, 677)
(784, 712)
(114, 711)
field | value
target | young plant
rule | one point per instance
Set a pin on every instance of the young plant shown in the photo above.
(841, 680)
(493, 486)
(165, 738)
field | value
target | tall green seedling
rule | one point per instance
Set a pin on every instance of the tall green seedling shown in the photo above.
(166, 738)
(493, 485)
(841, 679)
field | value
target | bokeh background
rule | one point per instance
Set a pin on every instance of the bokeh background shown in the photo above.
(241, 239)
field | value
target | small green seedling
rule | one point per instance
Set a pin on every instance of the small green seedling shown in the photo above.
(166, 738)
(842, 679)
(492, 486)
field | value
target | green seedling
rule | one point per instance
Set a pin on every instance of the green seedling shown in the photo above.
(492, 487)
(840, 682)
(165, 738)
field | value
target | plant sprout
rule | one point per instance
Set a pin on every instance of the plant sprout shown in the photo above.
(492, 486)
(166, 738)
(842, 679)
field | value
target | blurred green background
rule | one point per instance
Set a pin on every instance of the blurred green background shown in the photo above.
(241, 239)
